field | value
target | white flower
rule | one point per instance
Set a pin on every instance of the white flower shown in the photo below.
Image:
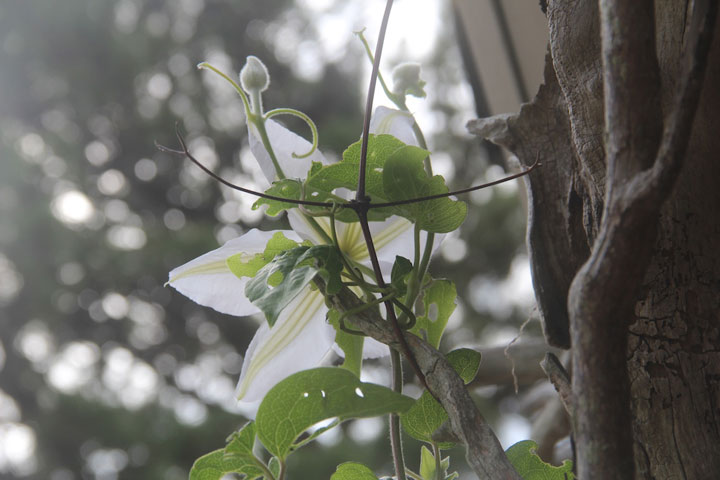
(301, 337)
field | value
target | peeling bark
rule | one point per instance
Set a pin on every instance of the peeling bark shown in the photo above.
(641, 305)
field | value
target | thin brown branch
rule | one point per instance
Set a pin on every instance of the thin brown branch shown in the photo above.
(560, 378)
(186, 153)
(459, 192)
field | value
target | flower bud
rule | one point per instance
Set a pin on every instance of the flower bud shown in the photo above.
(406, 80)
(254, 75)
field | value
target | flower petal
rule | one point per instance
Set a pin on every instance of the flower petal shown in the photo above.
(207, 280)
(284, 143)
(394, 122)
(301, 225)
(298, 341)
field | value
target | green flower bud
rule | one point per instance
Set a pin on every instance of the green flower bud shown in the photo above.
(254, 75)
(406, 80)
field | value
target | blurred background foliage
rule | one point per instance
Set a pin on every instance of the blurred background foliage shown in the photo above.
(104, 372)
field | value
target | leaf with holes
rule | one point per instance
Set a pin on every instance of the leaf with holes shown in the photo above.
(276, 284)
(404, 178)
(323, 180)
(242, 265)
(426, 415)
(530, 466)
(311, 396)
(287, 188)
(439, 302)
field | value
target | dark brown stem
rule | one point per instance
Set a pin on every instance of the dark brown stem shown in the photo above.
(185, 152)
(560, 379)
(368, 105)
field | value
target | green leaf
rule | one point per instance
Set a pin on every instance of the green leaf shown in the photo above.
(404, 178)
(276, 284)
(426, 415)
(345, 173)
(286, 188)
(530, 466)
(274, 466)
(311, 396)
(351, 345)
(242, 442)
(322, 180)
(466, 362)
(329, 266)
(400, 270)
(353, 471)
(236, 457)
(427, 466)
(439, 301)
(242, 266)
(215, 465)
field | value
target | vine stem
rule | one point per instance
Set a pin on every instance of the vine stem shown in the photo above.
(362, 200)
(368, 105)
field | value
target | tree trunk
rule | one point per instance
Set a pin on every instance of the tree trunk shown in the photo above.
(624, 228)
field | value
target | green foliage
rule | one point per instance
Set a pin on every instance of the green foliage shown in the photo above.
(394, 172)
(215, 465)
(311, 396)
(428, 468)
(400, 270)
(353, 471)
(439, 302)
(241, 266)
(241, 442)
(427, 415)
(277, 283)
(351, 345)
(236, 457)
(404, 178)
(531, 467)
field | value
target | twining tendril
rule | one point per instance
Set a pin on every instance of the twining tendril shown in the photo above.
(361, 35)
(246, 101)
(303, 117)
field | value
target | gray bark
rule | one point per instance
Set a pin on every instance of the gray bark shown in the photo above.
(624, 228)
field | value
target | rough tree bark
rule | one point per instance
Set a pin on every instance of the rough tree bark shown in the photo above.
(624, 231)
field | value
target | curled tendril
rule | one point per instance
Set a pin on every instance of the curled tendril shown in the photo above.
(366, 306)
(304, 118)
(394, 98)
(246, 101)
(411, 318)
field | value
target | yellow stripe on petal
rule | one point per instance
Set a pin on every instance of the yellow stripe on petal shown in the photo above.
(398, 227)
(353, 244)
(281, 335)
(210, 268)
